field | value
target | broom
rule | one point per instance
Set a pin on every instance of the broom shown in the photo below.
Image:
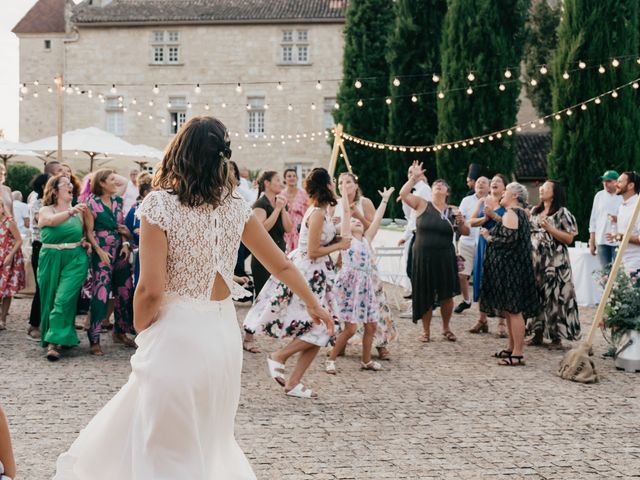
(576, 364)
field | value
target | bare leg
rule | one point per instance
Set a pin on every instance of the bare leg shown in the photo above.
(110, 307)
(6, 303)
(517, 333)
(342, 339)
(367, 341)
(446, 308)
(249, 344)
(464, 287)
(510, 332)
(305, 359)
(285, 353)
(426, 324)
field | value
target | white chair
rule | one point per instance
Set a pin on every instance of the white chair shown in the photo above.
(391, 270)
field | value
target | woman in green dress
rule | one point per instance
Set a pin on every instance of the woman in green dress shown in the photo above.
(62, 267)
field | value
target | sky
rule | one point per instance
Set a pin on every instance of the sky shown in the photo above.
(12, 12)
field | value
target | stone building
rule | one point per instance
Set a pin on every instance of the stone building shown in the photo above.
(269, 69)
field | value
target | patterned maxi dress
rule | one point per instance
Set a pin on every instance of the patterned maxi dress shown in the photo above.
(115, 277)
(61, 273)
(360, 294)
(478, 260)
(559, 316)
(279, 313)
(297, 209)
(508, 283)
(12, 278)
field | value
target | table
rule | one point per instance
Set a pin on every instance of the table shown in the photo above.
(583, 264)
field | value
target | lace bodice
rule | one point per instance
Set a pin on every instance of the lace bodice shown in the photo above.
(202, 241)
(328, 231)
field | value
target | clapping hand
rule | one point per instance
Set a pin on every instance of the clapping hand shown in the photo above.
(281, 201)
(485, 233)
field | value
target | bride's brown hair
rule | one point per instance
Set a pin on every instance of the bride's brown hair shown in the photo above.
(195, 166)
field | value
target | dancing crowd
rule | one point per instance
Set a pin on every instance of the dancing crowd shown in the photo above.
(495, 249)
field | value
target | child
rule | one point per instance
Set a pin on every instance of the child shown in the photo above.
(357, 288)
(12, 278)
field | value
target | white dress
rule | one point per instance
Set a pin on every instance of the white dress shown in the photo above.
(174, 418)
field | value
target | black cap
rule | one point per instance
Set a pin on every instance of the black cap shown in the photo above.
(475, 171)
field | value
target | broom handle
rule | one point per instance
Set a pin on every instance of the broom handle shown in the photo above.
(613, 274)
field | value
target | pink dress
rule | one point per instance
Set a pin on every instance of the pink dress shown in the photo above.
(12, 278)
(296, 209)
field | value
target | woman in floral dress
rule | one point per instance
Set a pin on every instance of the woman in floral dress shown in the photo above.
(553, 229)
(11, 262)
(110, 261)
(357, 288)
(280, 313)
(297, 204)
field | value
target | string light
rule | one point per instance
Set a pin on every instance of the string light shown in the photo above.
(440, 95)
(396, 82)
(358, 84)
(155, 90)
(360, 103)
(565, 75)
(239, 88)
(50, 90)
(534, 82)
(197, 90)
(635, 85)
(471, 77)
(507, 73)
(543, 70)
(279, 87)
(582, 65)
(601, 69)
(435, 78)
(313, 106)
(583, 106)
(113, 89)
(614, 94)
(388, 101)
(414, 99)
(24, 89)
(290, 107)
(502, 87)
(469, 91)
(615, 63)
(597, 101)
(206, 106)
(319, 85)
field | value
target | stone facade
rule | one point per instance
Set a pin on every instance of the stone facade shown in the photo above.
(95, 57)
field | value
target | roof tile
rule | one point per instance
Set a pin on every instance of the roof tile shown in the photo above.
(46, 16)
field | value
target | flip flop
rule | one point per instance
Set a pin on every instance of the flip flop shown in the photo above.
(276, 371)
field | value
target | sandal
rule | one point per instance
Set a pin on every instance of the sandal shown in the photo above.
(425, 337)
(480, 327)
(449, 336)
(512, 361)
(383, 353)
(53, 354)
(123, 339)
(3, 325)
(96, 350)
(33, 333)
(276, 371)
(330, 367)
(300, 391)
(251, 347)
(374, 366)
(502, 354)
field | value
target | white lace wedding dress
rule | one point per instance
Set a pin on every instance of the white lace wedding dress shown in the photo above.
(174, 418)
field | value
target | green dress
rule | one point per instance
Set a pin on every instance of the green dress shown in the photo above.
(61, 274)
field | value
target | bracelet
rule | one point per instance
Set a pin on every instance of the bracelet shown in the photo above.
(126, 244)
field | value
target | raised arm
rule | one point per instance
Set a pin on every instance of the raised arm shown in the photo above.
(414, 201)
(375, 225)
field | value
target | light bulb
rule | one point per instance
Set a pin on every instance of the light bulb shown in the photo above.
(565, 75)
(197, 90)
(189, 105)
(313, 106)
(583, 106)
(224, 105)
(24, 88)
(498, 135)
(113, 89)
(582, 65)
(36, 83)
(569, 112)
(614, 94)
(155, 90)
(509, 132)
(336, 106)
(441, 95)
(635, 85)
(151, 103)
(396, 82)
(168, 104)
(501, 87)
(557, 116)
(469, 91)
(133, 101)
(601, 69)
(414, 99)
(471, 77)
(290, 107)
(358, 84)
(543, 70)
(35, 94)
(615, 62)
(239, 88)
(319, 85)
(360, 103)
(534, 82)
(248, 106)
(266, 106)
(507, 73)
(206, 106)
(388, 101)
(279, 87)
(435, 78)
(50, 90)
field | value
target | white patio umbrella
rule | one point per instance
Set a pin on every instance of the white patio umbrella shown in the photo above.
(13, 149)
(92, 141)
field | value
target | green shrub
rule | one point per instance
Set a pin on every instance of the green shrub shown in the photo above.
(19, 177)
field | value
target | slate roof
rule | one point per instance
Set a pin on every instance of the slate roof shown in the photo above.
(532, 149)
(46, 16)
(208, 11)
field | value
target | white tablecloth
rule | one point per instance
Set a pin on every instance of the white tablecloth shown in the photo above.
(583, 264)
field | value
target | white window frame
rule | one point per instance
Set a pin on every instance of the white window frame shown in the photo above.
(177, 113)
(114, 115)
(329, 105)
(256, 115)
(295, 47)
(165, 47)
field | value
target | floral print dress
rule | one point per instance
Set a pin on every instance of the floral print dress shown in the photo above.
(12, 278)
(296, 210)
(279, 313)
(552, 266)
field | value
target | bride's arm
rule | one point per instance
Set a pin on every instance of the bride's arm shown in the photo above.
(258, 241)
(153, 268)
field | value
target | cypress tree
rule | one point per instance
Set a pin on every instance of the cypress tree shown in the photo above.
(413, 56)
(604, 136)
(484, 37)
(541, 39)
(367, 27)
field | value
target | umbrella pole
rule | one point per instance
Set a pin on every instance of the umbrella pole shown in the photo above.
(60, 114)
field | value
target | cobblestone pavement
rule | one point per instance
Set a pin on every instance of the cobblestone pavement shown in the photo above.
(438, 410)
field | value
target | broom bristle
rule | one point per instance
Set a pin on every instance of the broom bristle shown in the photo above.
(577, 365)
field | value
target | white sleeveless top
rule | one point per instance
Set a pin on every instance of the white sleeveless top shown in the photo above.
(338, 208)
(202, 241)
(326, 237)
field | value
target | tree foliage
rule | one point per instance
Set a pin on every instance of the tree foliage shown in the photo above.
(604, 136)
(366, 32)
(541, 39)
(19, 177)
(484, 37)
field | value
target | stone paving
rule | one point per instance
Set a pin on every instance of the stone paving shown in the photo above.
(438, 410)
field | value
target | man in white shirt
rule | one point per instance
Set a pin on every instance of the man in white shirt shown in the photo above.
(628, 188)
(423, 190)
(131, 193)
(468, 244)
(245, 188)
(21, 214)
(604, 209)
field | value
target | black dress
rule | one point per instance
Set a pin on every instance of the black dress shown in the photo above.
(508, 281)
(434, 274)
(260, 274)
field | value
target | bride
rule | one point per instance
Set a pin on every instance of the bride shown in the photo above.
(174, 418)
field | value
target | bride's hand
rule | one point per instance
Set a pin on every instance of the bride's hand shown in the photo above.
(320, 315)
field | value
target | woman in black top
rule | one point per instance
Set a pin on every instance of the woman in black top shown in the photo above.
(434, 268)
(270, 209)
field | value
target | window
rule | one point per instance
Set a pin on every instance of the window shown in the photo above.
(302, 170)
(256, 111)
(294, 47)
(329, 106)
(114, 107)
(47, 44)
(165, 48)
(177, 113)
